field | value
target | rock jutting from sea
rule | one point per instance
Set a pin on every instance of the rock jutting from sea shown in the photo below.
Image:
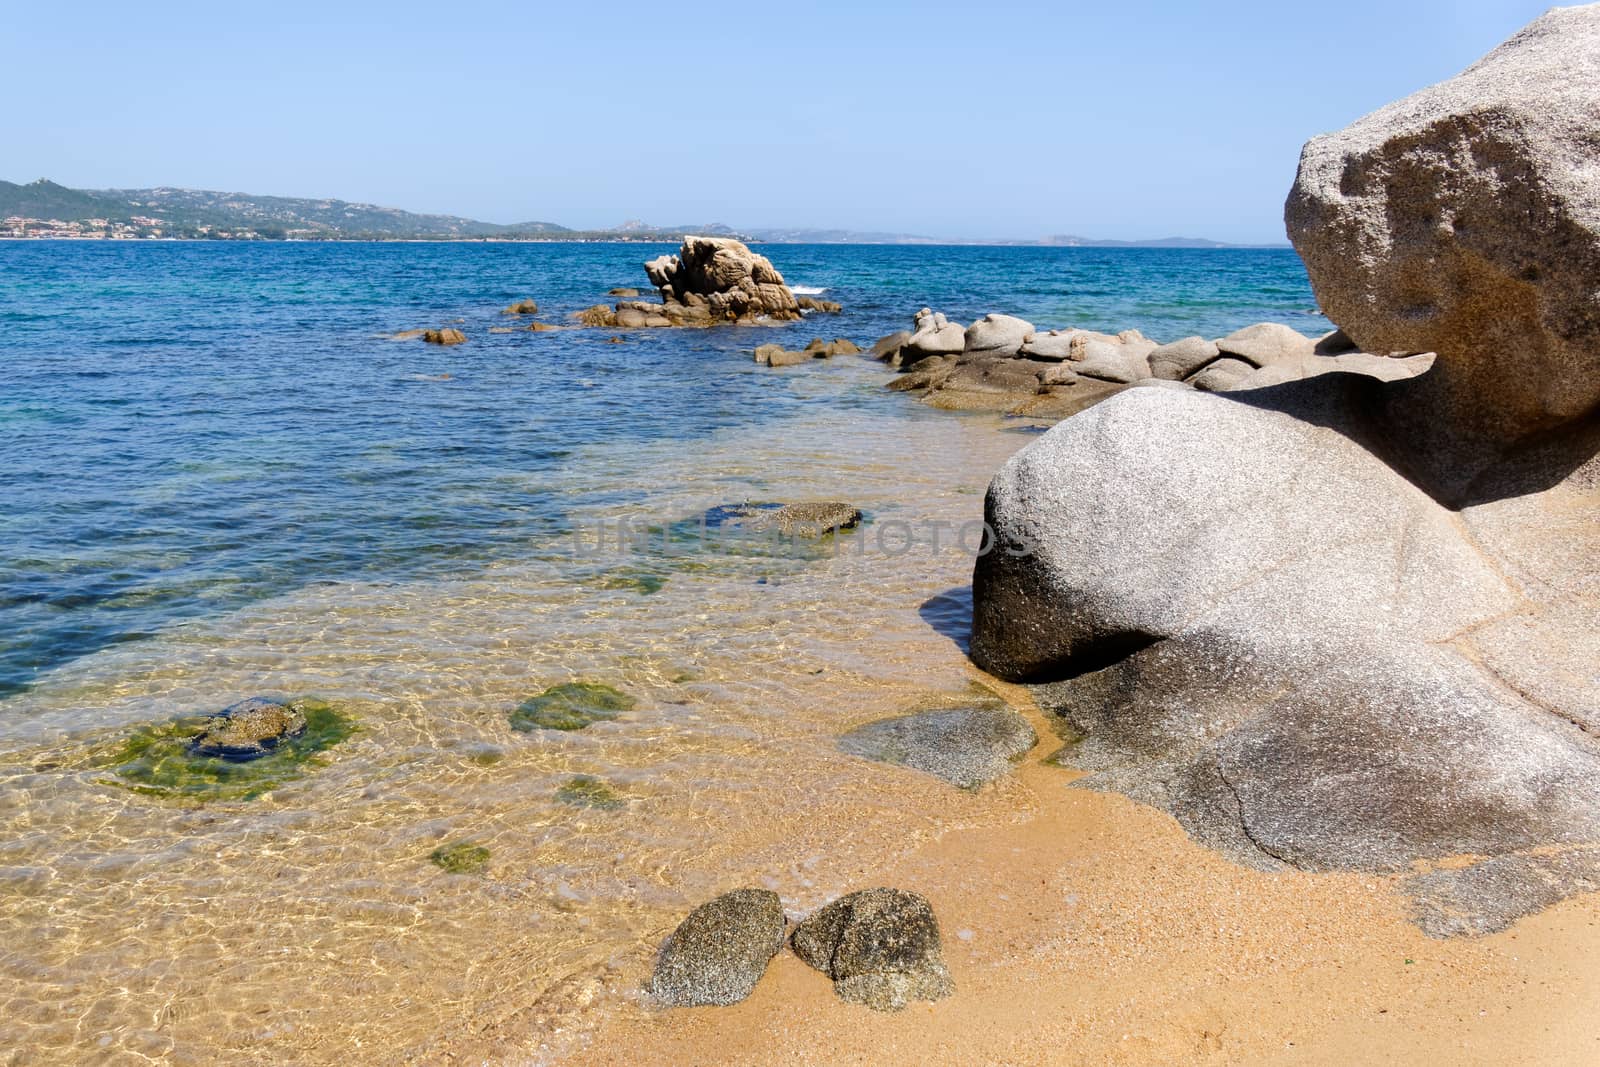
(1338, 621)
(711, 280)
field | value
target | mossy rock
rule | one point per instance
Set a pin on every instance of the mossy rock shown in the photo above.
(571, 706)
(460, 857)
(587, 791)
(160, 759)
(634, 580)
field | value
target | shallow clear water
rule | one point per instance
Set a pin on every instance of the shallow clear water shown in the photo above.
(190, 427)
(221, 481)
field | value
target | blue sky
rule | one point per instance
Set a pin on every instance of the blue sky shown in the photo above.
(998, 119)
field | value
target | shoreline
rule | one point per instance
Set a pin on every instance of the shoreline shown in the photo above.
(1091, 929)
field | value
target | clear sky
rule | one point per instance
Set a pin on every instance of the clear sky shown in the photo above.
(983, 119)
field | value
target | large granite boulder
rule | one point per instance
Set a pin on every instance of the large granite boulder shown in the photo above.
(725, 278)
(1125, 524)
(1246, 616)
(1465, 220)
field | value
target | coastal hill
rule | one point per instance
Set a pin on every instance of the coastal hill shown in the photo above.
(44, 208)
(173, 212)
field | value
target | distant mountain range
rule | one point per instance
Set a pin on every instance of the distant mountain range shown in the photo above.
(47, 209)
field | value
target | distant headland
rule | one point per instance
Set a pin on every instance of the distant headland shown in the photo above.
(43, 209)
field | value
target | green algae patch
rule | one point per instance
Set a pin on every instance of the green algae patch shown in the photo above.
(460, 857)
(159, 759)
(587, 791)
(634, 581)
(571, 706)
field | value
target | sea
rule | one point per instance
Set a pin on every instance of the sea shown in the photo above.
(221, 476)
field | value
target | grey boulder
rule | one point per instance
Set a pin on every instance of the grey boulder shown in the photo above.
(1465, 220)
(967, 747)
(881, 947)
(721, 950)
(1176, 361)
(1266, 343)
(1254, 622)
(935, 335)
(998, 335)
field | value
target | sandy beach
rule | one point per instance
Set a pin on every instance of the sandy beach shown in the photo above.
(1091, 930)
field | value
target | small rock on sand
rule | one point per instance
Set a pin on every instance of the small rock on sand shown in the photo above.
(719, 953)
(881, 947)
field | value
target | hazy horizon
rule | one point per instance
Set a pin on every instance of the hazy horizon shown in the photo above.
(1149, 121)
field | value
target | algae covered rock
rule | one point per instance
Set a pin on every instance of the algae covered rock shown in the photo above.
(811, 518)
(249, 729)
(240, 753)
(571, 706)
(719, 953)
(881, 947)
(460, 857)
(587, 791)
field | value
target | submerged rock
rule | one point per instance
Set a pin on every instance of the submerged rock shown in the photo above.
(967, 747)
(249, 730)
(461, 857)
(276, 747)
(571, 706)
(718, 954)
(881, 947)
(587, 791)
(811, 303)
(806, 519)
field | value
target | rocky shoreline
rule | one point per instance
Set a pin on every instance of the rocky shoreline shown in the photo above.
(1332, 603)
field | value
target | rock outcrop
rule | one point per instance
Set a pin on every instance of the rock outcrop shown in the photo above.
(1003, 363)
(721, 950)
(726, 278)
(1348, 621)
(447, 336)
(881, 947)
(711, 280)
(1465, 220)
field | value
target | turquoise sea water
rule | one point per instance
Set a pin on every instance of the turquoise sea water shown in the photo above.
(187, 428)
